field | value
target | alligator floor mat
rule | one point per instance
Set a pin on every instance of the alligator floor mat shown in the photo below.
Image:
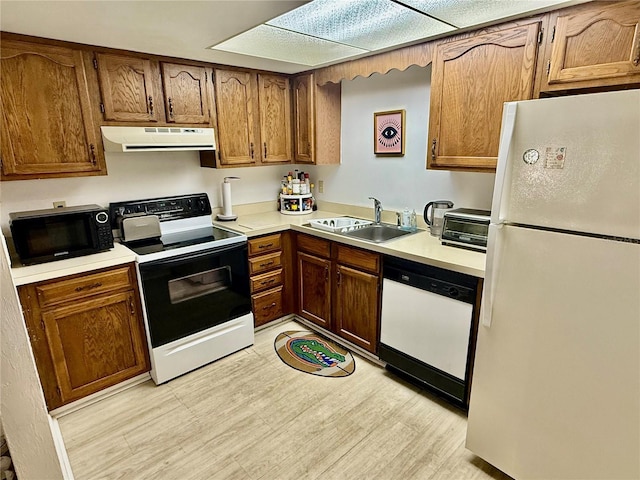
(310, 353)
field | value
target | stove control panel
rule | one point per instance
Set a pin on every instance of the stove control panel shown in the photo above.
(166, 208)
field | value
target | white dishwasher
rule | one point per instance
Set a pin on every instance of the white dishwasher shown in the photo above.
(428, 325)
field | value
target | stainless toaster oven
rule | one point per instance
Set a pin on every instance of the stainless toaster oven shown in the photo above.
(466, 228)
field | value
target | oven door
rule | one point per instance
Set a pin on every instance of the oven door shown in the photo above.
(190, 293)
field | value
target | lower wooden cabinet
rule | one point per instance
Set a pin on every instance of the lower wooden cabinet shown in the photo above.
(339, 289)
(271, 278)
(86, 332)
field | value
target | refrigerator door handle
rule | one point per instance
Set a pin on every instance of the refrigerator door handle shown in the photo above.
(508, 124)
(493, 259)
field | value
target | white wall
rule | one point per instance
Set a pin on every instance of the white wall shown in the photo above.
(397, 182)
(24, 413)
(142, 175)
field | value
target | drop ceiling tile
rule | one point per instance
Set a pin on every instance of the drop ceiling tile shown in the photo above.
(277, 44)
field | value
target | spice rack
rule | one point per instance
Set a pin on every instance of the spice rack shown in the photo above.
(296, 204)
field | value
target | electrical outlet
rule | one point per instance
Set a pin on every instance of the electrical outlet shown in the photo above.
(59, 204)
(320, 186)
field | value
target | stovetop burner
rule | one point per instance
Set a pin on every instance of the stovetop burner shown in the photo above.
(185, 224)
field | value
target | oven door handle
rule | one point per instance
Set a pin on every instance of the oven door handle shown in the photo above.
(189, 257)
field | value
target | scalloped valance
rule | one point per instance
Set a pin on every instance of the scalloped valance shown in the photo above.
(400, 59)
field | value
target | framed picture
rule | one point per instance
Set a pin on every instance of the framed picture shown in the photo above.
(388, 133)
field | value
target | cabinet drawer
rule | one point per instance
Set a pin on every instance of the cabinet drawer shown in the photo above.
(314, 245)
(357, 258)
(267, 306)
(269, 243)
(264, 263)
(266, 280)
(83, 286)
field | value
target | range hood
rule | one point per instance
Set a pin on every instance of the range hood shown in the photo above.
(157, 139)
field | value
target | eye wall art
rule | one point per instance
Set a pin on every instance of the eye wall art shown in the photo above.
(388, 133)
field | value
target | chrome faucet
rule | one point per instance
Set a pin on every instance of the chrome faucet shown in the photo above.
(377, 209)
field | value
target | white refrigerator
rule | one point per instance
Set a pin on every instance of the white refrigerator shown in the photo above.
(556, 383)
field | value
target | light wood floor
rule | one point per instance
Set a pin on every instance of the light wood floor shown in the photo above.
(249, 416)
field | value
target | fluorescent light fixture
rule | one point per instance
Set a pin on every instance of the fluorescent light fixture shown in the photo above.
(368, 24)
(322, 32)
(466, 13)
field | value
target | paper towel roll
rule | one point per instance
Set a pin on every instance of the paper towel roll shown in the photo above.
(226, 199)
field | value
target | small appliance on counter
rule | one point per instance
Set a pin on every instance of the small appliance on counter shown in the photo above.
(466, 228)
(58, 233)
(435, 217)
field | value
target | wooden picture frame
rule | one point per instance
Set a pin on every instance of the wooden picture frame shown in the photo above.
(388, 133)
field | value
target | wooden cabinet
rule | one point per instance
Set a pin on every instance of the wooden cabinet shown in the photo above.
(254, 118)
(47, 128)
(274, 97)
(593, 45)
(129, 88)
(86, 332)
(186, 93)
(132, 92)
(339, 289)
(471, 79)
(271, 273)
(316, 111)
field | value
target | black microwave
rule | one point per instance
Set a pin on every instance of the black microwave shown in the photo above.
(57, 233)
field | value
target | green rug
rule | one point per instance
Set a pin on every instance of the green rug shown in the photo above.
(310, 353)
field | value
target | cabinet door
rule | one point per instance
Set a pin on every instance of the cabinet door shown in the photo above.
(47, 127)
(471, 80)
(357, 307)
(595, 45)
(236, 101)
(185, 93)
(95, 343)
(127, 86)
(314, 291)
(274, 95)
(303, 118)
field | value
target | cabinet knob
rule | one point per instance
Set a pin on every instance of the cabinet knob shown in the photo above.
(433, 149)
(265, 149)
(338, 275)
(251, 149)
(150, 105)
(170, 107)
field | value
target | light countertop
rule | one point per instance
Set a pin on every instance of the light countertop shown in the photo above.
(420, 247)
(23, 275)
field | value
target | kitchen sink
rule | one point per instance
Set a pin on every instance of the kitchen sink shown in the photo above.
(378, 233)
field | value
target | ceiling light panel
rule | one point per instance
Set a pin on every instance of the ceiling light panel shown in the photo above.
(278, 44)
(466, 13)
(367, 24)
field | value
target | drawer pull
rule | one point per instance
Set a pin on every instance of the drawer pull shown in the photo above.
(89, 287)
(267, 282)
(266, 264)
(268, 307)
(265, 245)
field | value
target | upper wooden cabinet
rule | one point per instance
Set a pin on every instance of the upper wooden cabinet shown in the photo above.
(274, 96)
(237, 105)
(471, 79)
(129, 88)
(47, 127)
(303, 112)
(254, 118)
(316, 111)
(593, 45)
(186, 93)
